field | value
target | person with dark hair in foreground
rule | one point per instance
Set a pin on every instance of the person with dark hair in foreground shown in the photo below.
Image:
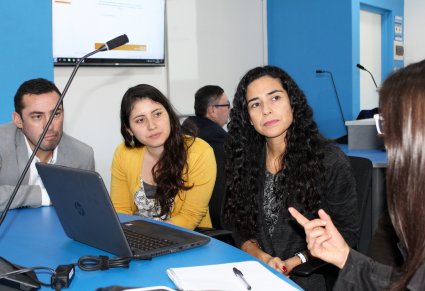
(159, 172)
(275, 158)
(34, 102)
(402, 123)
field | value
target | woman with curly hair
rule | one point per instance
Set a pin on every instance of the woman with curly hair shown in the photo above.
(159, 172)
(275, 158)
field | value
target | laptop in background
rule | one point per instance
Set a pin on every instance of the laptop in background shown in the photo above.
(87, 215)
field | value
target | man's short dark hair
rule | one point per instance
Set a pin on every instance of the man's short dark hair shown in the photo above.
(205, 96)
(34, 86)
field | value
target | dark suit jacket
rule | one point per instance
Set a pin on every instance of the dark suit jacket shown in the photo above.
(14, 156)
(207, 129)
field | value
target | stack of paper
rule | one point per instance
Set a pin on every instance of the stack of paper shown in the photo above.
(222, 277)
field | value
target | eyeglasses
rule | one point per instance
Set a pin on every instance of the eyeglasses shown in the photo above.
(222, 105)
(379, 122)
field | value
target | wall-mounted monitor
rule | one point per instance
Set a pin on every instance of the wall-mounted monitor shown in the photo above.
(81, 26)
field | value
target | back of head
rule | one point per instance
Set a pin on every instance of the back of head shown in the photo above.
(205, 96)
(402, 105)
(34, 86)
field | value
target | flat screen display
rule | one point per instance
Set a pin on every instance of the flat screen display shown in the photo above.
(81, 26)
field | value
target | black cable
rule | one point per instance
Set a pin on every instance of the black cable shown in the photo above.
(26, 270)
(92, 263)
(63, 275)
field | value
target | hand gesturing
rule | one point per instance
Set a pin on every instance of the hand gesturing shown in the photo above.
(323, 239)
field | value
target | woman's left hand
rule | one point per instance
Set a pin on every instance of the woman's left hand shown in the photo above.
(283, 266)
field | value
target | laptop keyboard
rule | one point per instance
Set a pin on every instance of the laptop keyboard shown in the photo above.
(145, 243)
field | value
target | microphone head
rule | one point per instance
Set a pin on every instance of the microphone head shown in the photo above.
(361, 67)
(114, 43)
(320, 71)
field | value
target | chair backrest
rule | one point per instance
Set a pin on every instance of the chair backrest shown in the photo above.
(362, 171)
(216, 204)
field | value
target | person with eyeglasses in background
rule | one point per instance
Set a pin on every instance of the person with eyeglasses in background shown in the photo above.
(212, 108)
(402, 124)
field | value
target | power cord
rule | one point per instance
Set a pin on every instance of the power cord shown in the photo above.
(92, 263)
(63, 275)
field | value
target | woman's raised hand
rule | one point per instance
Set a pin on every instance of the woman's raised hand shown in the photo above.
(323, 239)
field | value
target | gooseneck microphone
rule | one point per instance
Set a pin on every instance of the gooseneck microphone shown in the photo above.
(113, 43)
(364, 69)
(336, 93)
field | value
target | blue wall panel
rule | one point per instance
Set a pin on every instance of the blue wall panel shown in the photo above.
(25, 48)
(307, 35)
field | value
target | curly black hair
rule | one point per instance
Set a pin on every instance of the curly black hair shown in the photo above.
(300, 182)
(169, 172)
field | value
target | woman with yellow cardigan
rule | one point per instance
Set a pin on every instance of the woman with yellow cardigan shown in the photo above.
(159, 172)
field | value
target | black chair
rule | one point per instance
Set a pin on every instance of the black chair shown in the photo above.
(216, 204)
(362, 171)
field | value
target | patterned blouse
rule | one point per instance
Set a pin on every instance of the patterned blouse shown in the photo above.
(146, 203)
(271, 202)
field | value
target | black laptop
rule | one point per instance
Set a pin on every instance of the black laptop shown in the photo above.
(85, 211)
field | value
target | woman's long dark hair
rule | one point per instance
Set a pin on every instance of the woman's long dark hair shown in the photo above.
(402, 105)
(301, 179)
(169, 172)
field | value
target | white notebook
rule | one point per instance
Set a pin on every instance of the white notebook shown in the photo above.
(222, 277)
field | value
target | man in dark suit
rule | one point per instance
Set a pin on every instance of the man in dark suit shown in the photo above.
(34, 102)
(212, 110)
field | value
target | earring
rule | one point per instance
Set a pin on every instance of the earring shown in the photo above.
(132, 143)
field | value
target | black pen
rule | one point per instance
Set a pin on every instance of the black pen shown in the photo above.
(239, 274)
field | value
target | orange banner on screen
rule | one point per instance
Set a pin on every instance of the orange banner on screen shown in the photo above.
(63, 2)
(126, 47)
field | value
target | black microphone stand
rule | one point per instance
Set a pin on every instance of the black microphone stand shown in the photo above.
(336, 93)
(116, 42)
(364, 69)
(43, 134)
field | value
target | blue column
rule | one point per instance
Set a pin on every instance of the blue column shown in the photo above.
(25, 47)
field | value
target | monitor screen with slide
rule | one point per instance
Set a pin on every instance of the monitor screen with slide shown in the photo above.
(81, 26)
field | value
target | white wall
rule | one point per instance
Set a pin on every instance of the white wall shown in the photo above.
(414, 31)
(208, 42)
(370, 58)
